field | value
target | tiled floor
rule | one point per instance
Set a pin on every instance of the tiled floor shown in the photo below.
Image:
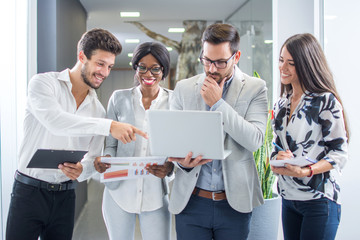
(90, 224)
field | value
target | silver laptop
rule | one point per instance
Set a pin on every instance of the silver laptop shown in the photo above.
(176, 133)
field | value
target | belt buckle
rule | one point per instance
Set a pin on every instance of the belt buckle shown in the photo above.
(53, 187)
(213, 196)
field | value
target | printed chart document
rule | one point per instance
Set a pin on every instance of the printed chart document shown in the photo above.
(128, 167)
(298, 161)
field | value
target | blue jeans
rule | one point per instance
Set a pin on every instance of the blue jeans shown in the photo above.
(313, 219)
(205, 219)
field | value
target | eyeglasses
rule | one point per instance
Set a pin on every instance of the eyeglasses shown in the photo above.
(153, 70)
(217, 63)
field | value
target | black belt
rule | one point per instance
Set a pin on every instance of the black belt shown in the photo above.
(45, 185)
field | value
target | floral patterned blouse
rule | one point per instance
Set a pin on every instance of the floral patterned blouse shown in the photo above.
(315, 129)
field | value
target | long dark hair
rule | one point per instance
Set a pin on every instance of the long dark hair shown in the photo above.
(311, 67)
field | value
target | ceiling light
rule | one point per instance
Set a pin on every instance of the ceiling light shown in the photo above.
(130, 55)
(129, 14)
(130, 63)
(268, 41)
(176, 30)
(169, 49)
(132, 40)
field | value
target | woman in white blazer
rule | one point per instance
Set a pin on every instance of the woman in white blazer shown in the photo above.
(146, 198)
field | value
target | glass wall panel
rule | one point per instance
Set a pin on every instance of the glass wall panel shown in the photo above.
(254, 22)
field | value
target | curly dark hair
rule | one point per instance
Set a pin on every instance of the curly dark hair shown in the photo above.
(98, 38)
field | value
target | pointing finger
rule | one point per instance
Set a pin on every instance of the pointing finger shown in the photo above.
(141, 133)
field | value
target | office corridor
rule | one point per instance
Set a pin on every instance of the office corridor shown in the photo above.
(90, 224)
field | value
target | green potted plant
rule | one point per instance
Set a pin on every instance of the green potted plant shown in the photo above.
(262, 157)
(265, 218)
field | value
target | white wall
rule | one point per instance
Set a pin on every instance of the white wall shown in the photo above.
(289, 17)
(118, 79)
(342, 50)
(13, 93)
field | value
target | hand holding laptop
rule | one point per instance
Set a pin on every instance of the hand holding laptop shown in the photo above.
(189, 162)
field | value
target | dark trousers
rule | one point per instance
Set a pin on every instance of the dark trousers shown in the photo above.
(310, 220)
(38, 212)
(205, 219)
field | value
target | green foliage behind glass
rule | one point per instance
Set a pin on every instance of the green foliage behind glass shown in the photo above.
(262, 157)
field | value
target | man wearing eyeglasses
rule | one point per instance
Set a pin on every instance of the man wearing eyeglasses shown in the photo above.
(213, 199)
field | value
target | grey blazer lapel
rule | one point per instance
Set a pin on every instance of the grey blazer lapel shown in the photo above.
(131, 111)
(128, 110)
(201, 105)
(235, 88)
(233, 94)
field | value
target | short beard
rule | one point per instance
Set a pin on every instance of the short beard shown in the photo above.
(214, 74)
(85, 79)
(221, 77)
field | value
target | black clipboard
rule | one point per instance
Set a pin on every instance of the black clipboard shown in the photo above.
(49, 158)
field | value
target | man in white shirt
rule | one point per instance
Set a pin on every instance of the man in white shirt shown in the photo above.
(63, 112)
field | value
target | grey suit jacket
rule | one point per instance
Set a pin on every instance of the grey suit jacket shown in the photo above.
(244, 114)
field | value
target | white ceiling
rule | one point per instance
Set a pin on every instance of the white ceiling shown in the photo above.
(157, 15)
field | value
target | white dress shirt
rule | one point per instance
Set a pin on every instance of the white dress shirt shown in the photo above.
(53, 121)
(143, 194)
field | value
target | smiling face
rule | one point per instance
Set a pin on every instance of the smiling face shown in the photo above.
(287, 69)
(219, 52)
(149, 79)
(96, 69)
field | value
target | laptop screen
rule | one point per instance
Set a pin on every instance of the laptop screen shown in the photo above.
(176, 133)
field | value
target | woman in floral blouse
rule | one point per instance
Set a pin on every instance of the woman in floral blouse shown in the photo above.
(309, 122)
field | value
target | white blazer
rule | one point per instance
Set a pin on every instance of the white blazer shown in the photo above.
(244, 114)
(124, 192)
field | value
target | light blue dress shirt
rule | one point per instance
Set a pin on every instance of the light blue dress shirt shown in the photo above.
(211, 176)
